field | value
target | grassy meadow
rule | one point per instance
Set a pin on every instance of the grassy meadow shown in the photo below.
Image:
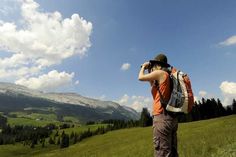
(208, 138)
(82, 128)
(38, 119)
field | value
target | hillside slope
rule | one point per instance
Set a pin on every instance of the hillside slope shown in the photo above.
(208, 138)
(16, 98)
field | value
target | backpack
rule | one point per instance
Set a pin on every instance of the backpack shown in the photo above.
(181, 99)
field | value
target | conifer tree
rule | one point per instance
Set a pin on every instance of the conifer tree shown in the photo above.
(58, 141)
(65, 140)
(146, 119)
(234, 106)
(51, 141)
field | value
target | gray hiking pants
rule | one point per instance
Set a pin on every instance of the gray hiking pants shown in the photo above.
(165, 135)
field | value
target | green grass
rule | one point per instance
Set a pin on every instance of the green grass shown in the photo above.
(209, 138)
(35, 119)
(19, 114)
(71, 119)
(24, 151)
(28, 121)
(82, 128)
(46, 117)
(21, 151)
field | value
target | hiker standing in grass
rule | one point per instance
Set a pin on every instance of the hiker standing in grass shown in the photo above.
(165, 123)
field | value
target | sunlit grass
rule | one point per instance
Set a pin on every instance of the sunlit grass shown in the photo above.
(208, 138)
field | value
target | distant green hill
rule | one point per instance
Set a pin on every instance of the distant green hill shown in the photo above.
(208, 138)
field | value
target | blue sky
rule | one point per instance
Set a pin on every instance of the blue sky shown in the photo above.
(198, 37)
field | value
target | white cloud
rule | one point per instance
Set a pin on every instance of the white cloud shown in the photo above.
(125, 66)
(230, 41)
(196, 99)
(124, 99)
(44, 39)
(136, 102)
(47, 39)
(52, 80)
(14, 74)
(203, 93)
(16, 60)
(228, 90)
(103, 97)
(77, 82)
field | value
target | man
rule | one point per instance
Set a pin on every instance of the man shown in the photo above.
(165, 124)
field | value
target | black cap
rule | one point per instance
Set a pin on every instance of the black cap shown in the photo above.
(160, 59)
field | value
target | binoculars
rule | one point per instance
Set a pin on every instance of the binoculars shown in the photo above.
(151, 64)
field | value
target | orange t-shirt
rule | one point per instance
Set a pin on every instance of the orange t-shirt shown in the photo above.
(165, 92)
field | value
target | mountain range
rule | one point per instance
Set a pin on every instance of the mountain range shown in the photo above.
(17, 98)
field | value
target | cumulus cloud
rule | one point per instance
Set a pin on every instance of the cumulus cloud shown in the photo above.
(124, 99)
(230, 41)
(196, 99)
(125, 66)
(47, 82)
(102, 97)
(228, 90)
(203, 93)
(136, 102)
(44, 39)
(12, 74)
(77, 82)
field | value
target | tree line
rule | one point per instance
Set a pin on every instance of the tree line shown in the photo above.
(204, 109)
(31, 135)
(208, 108)
(28, 135)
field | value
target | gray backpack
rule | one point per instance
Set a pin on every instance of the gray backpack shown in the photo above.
(181, 99)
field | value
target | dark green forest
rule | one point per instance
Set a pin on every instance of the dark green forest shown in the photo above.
(202, 110)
